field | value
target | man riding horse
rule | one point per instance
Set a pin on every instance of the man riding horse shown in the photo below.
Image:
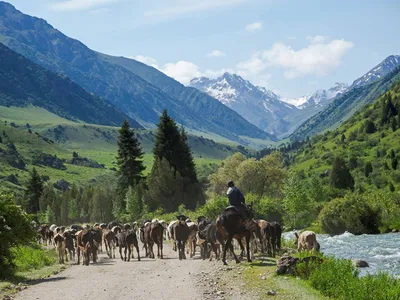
(237, 200)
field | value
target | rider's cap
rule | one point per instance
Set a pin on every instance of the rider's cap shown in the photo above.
(231, 184)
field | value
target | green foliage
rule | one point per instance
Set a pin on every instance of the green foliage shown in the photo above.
(15, 230)
(50, 217)
(134, 201)
(130, 162)
(32, 257)
(369, 127)
(341, 177)
(368, 169)
(349, 285)
(173, 179)
(351, 213)
(33, 192)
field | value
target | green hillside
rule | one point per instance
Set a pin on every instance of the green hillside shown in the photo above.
(370, 136)
(33, 131)
(23, 82)
(344, 106)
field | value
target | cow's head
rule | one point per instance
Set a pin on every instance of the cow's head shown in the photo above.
(181, 219)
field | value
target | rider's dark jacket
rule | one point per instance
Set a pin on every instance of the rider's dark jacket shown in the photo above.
(235, 196)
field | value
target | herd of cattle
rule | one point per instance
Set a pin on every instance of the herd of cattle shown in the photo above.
(86, 242)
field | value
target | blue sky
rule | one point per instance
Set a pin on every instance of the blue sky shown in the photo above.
(290, 47)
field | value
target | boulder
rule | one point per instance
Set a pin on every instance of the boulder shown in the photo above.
(287, 264)
(360, 263)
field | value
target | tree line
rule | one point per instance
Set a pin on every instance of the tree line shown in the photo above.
(171, 182)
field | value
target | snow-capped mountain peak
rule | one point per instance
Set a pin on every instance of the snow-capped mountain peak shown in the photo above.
(379, 71)
(256, 104)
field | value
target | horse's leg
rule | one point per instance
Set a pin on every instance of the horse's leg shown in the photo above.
(248, 248)
(78, 253)
(129, 252)
(227, 245)
(241, 247)
(161, 248)
(120, 252)
(137, 250)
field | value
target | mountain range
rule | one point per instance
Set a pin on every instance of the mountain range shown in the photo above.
(259, 106)
(24, 83)
(142, 92)
(284, 116)
(59, 74)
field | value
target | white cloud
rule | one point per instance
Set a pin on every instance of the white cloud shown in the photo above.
(174, 9)
(216, 53)
(146, 60)
(75, 5)
(253, 27)
(182, 71)
(316, 39)
(319, 58)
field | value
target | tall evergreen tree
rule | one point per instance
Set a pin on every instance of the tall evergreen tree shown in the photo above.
(187, 166)
(130, 161)
(368, 169)
(341, 177)
(173, 179)
(395, 163)
(33, 192)
(168, 141)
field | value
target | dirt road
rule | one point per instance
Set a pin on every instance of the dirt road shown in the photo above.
(148, 279)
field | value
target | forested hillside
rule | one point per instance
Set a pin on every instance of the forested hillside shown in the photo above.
(346, 179)
(345, 105)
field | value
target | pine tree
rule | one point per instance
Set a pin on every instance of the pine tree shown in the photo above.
(134, 201)
(343, 138)
(391, 187)
(352, 163)
(393, 124)
(130, 161)
(368, 169)
(33, 192)
(50, 217)
(395, 163)
(341, 177)
(187, 166)
(369, 127)
(168, 141)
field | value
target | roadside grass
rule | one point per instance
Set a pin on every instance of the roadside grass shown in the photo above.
(33, 264)
(286, 287)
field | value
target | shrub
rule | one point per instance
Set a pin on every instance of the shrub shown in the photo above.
(15, 230)
(32, 257)
(351, 213)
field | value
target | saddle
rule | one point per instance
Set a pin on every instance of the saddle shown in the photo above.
(231, 208)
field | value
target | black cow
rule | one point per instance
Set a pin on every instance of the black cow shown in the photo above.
(181, 234)
(127, 239)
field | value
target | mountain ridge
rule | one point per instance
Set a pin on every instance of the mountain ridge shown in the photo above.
(141, 100)
(23, 82)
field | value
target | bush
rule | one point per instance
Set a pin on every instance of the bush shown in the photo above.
(351, 213)
(15, 230)
(33, 257)
(338, 279)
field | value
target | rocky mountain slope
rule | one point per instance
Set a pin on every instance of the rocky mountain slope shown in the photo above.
(141, 98)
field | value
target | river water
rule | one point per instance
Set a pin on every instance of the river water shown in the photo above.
(382, 251)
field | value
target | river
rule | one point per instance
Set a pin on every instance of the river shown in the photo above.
(381, 251)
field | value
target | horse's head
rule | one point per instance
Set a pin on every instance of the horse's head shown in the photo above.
(250, 210)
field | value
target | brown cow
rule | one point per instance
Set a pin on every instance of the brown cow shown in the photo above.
(109, 242)
(191, 241)
(85, 244)
(307, 240)
(59, 241)
(157, 236)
